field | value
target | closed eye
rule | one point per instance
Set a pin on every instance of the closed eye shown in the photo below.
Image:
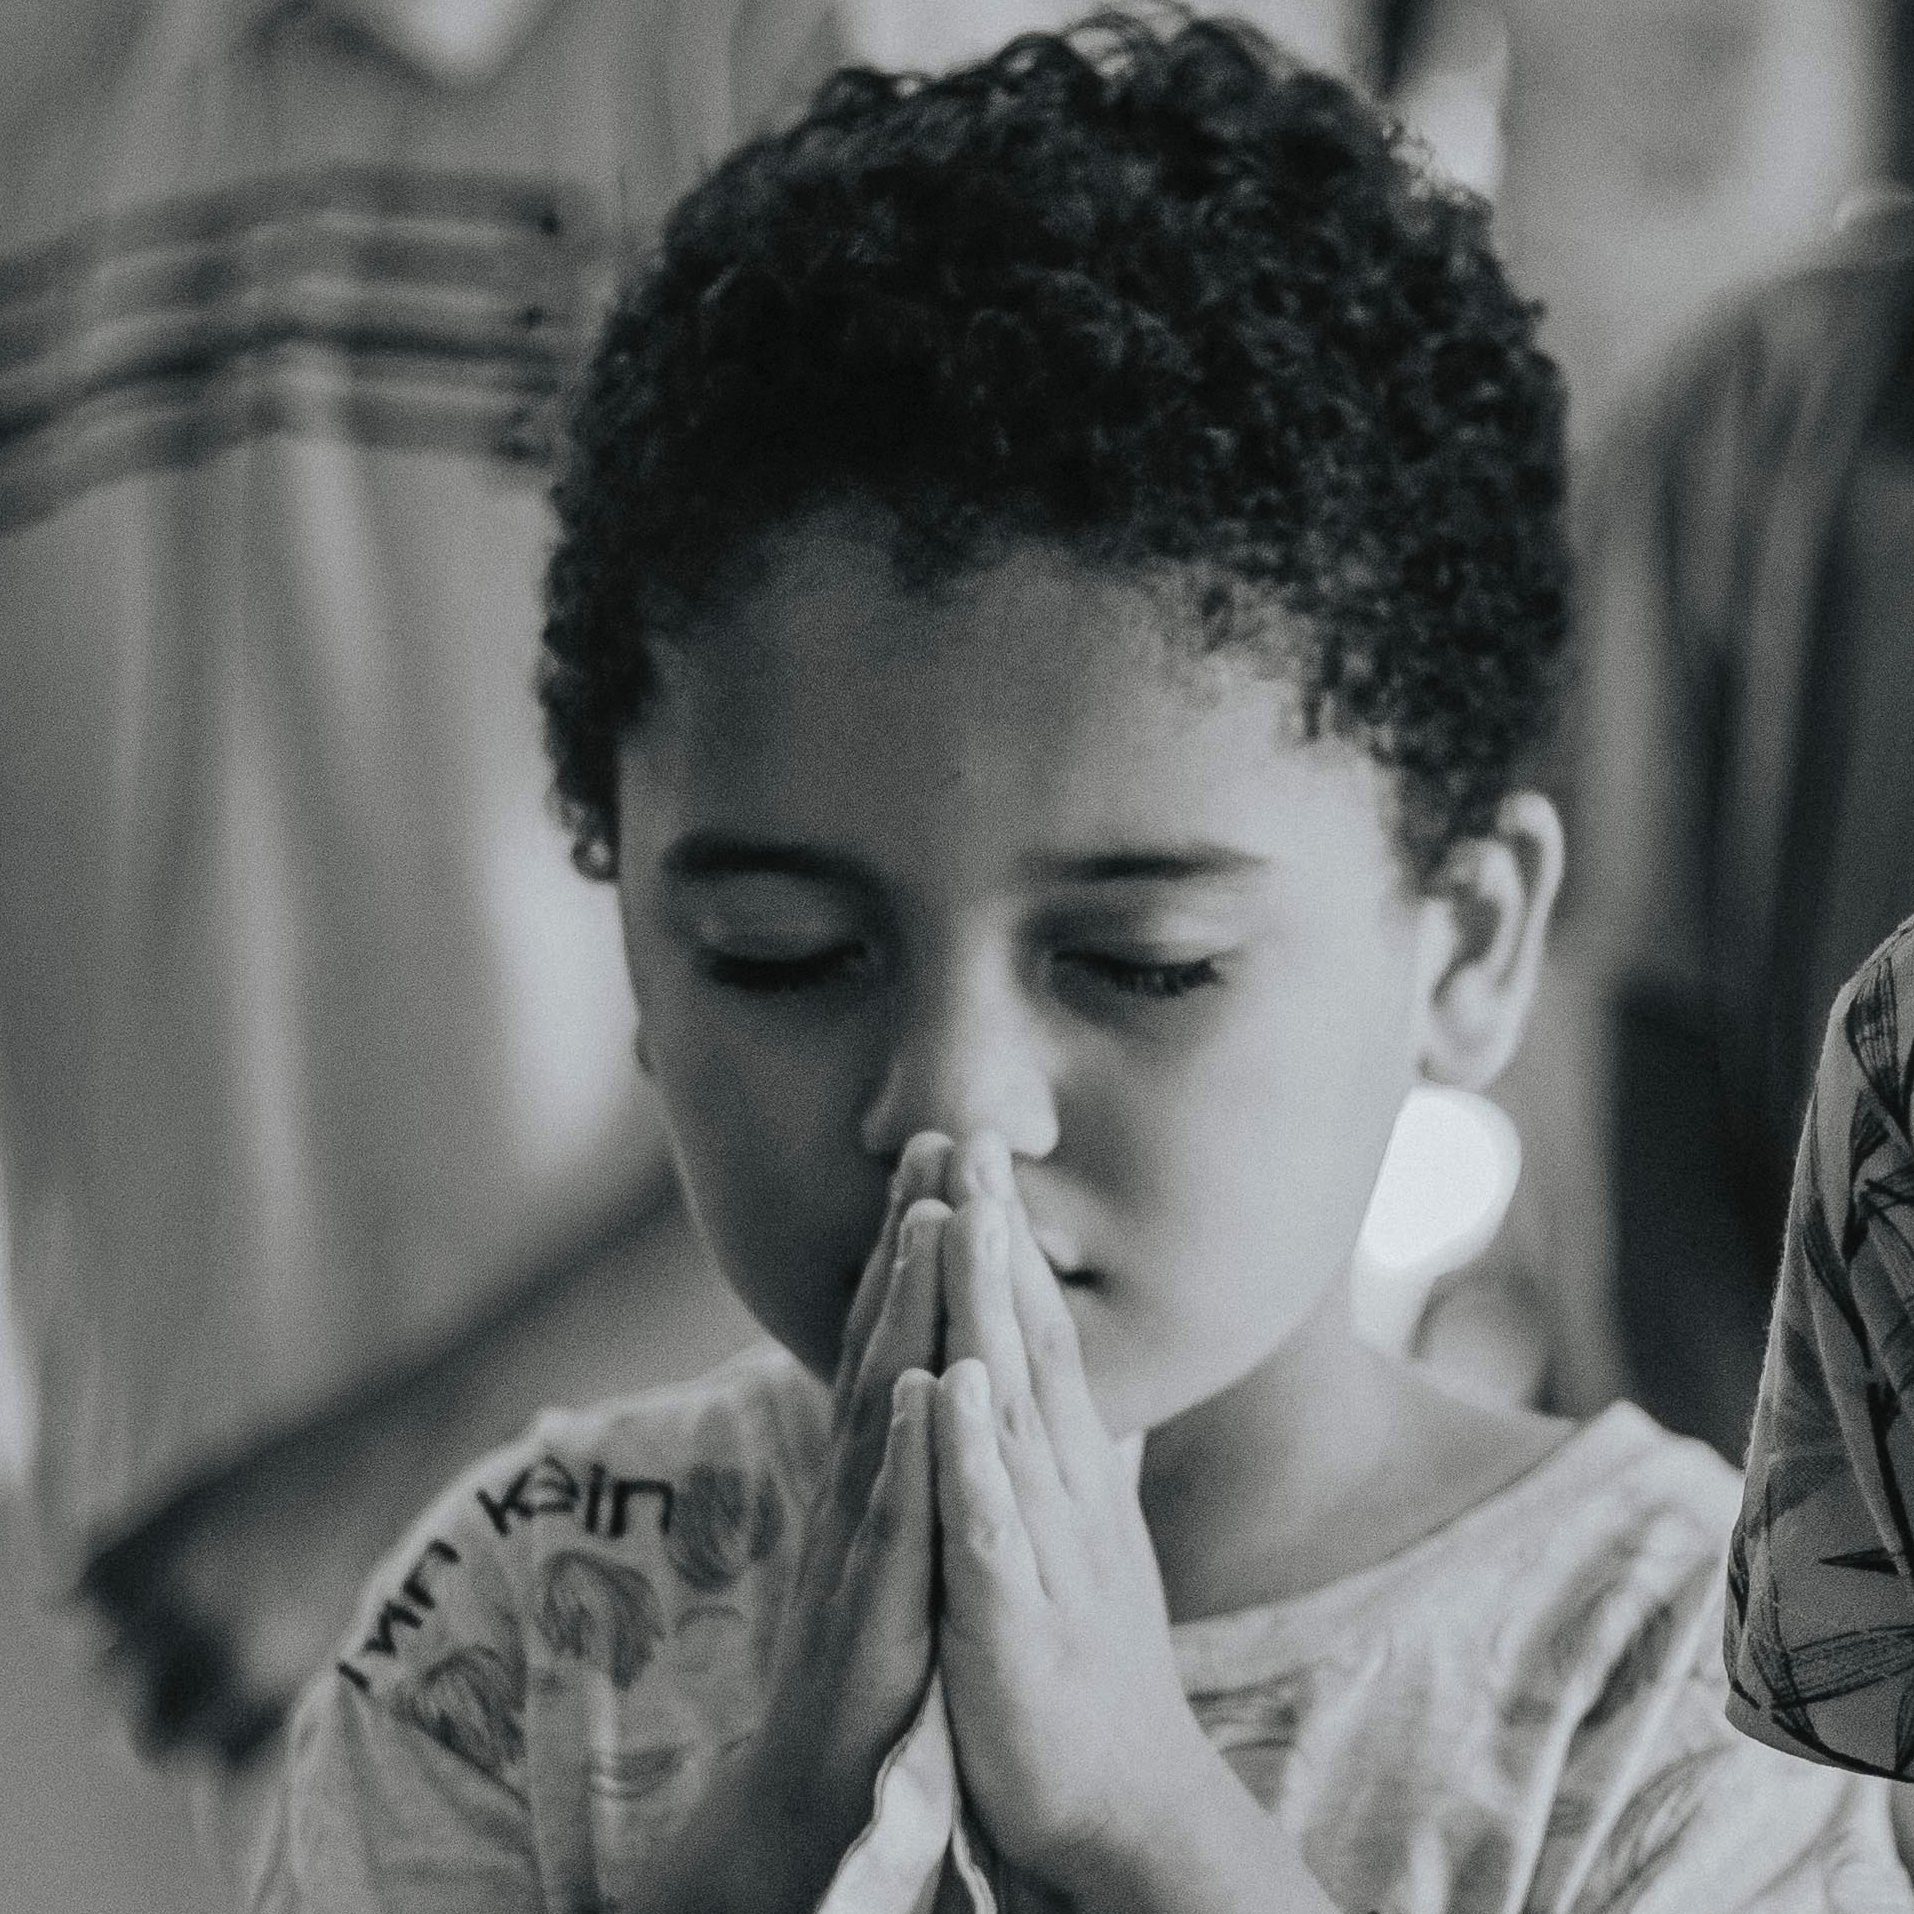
(845, 963)
(778, 976)
(1157, 982)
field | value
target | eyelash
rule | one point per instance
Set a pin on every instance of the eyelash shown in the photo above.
(778, 977)
(1156, 983)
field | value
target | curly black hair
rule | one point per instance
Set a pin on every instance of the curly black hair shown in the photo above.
(1147, 290)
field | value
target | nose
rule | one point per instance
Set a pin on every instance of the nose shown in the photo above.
(966, 1053)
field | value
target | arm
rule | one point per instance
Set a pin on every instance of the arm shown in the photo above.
(373, 1815)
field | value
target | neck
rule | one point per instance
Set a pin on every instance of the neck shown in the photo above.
(1272, 1487)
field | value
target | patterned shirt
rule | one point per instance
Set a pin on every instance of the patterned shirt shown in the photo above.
(1522, 1710)
(1820, 1629)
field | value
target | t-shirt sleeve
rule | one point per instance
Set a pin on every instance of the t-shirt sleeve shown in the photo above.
(543, 1673)
(1819, 1637)
(376, 1817)
(1730, 1830)
(404, 1786)
(1708, 1822)
(1658, 1806)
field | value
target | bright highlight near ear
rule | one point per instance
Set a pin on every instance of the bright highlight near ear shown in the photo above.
(1444, 1187)
(17, 1408)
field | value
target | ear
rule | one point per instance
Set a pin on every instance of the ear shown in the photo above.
(1490, 912)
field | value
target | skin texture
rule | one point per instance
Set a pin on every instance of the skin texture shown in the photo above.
(1003, 865)
(1208, 1156)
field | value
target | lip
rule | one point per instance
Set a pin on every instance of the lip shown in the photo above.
(1064, 1256)
(853, 1275)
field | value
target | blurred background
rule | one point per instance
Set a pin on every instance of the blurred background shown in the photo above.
(323, 1159)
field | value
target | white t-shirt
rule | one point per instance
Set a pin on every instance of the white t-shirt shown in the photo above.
(1522, 1711)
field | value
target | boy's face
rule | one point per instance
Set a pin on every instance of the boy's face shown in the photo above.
(993, 859)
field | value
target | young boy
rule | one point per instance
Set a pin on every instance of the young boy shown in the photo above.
(1059, 567)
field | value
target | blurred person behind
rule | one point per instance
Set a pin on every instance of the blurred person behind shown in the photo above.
(309, 1040)
(1658, 153)
(1743, 820)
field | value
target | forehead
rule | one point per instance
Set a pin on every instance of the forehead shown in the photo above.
(1032, 699)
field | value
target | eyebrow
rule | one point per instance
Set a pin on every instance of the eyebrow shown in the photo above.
(1157, 864)
(710, 854)
(702, 855)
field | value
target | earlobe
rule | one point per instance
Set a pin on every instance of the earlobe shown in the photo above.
(1496, 900)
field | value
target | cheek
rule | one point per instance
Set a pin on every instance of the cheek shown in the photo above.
(1242, 1180)
(758, 1132)
(740, 1100)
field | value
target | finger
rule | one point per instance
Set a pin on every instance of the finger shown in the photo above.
(920, 1171)
(977, 1289)
(863, 1404)
(888, 1572)
(980, 1166)
(905, 1333)
(979, 1315)
(1053, 1353)
(903, 1337)
(888, 1588)
(989, 1571)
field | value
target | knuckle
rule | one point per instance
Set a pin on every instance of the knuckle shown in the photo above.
(986, 1538)
(1017, 1417)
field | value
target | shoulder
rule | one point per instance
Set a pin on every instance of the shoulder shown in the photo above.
(540, 1669)
(1867, 1020)
(1848, 273)
(694, 1484)
(1527, 1708)
(1561, 1505)
(1863, 1111)
(1748, 362)
(1657, 1802)
(1721, 405)
(1598, 1574)
(1565, 1594)
(1622, 1529)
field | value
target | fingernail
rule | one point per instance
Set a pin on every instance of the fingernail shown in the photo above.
(989, 1167)
(922, 1166)
(893, 1202)
(921, 1223)
(908, 1177)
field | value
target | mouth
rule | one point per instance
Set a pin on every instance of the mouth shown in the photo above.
(853, 1275)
